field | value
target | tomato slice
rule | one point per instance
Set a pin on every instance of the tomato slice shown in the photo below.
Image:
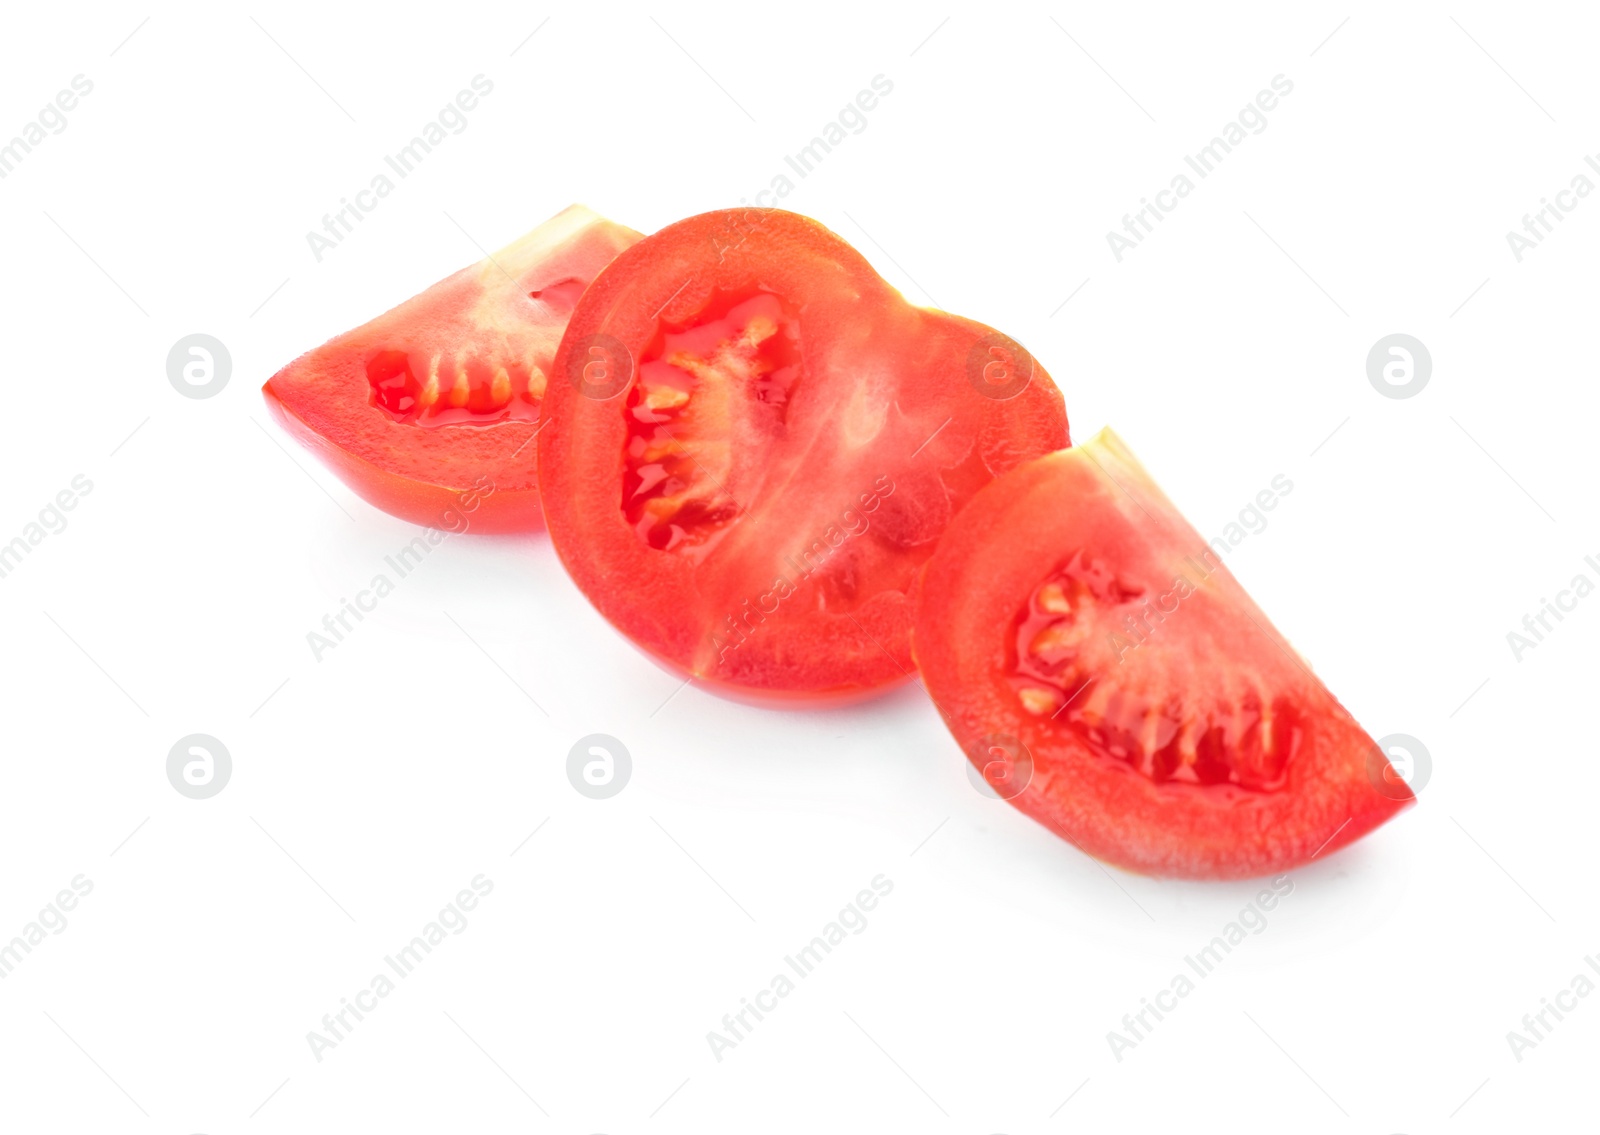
(753, 442)
(437, 401)
(1107, 674)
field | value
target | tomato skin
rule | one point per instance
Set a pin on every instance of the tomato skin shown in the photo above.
(453, 508)
(856, 466)
(461, 469)
(994, 556)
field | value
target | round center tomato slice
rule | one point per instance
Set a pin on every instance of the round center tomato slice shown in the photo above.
(752, 443)
(1107, 674)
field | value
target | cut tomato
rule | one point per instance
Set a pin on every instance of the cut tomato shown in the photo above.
(429, 410)
(1107, 674)
(753, 442)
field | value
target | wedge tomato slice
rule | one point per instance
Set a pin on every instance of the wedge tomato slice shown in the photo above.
(1103, 669)
(429, 411)
(753, 444)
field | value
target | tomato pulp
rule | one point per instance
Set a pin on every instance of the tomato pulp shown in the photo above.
(439, 398)
(1108, 675)
(752, 443)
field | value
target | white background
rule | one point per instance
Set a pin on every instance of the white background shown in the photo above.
(371, 786)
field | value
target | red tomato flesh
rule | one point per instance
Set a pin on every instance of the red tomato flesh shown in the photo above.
(752, 443)
(1104, 670)
(438, 399)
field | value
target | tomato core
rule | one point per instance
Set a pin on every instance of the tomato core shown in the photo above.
(723, 378)
(1079, 626)
(441, 389)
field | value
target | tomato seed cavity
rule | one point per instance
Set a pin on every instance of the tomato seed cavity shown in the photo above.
(455, 390)
(1067, 668)
(726, 377)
